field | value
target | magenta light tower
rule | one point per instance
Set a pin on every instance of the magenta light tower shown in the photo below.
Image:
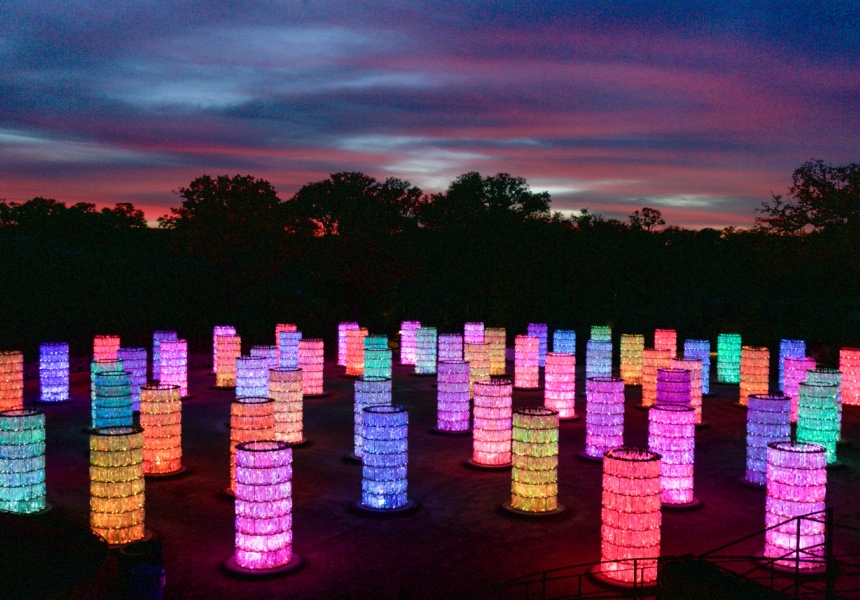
(672, 435)
(491, 433)
(311, 362)
(560, 385)
(450, 347)
(767, 421)
(604, 416)
(526, 362)
(174, 364)
(452, 396)
(473, 333)
(694, 366)
(408, 331)
(541, 332)
(796, 369)
(216, 331)
(666, 339)
(673, 387)
(342, 329)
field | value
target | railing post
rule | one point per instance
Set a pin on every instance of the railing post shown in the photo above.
(829, 560)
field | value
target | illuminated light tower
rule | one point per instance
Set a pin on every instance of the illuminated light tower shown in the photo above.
(491, 431)
(279, 329)
(534, 461)
(384, 460)
(541, 332)
(105, 347)
(342, 329)
(376, 341)
(526, 363)
(267, 353)
(355, 351)
(425, 351)
(701, 349)
(96, 367)
(216, 331)
(825, 375)
(632, 345)
(53, 372)
(564, 341)
(263, 512)
(134, 361)
(631, 518)
(228, 348)
(157, 338)
(817, 416)
(604, 416)
(849, 364)
(311, 362)
(478, 357)
(407, 341)
(560, 385)
(285, 388)
(174, 364)
(767, 421)
(161, 420)
(453, 414)
(288, 348)
(796, 369)
(652, 359)
(796, 486)
(450, 347)
(369, 391)
(601, 333)
(694, 366)
(251, 420)
(666, 339)
(11, 380)
(473, 333)
(117, 484)
(755, 370)
(796, 348)
(496, 337)
(673, 387)
(112, 402)
(598, 358)
(252, 377)
(377, 362)
(729, 358)
(671, 434)
(22, 461)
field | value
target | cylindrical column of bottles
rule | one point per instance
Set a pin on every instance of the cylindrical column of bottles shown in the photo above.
(796, 486)
(630, 516)
(425, 351)
(652, 359)
(228, 348)
(252, 377)
(632, 345)
(826, 375)
(369, 391)
(377, 362)
(105, 347)
(671, 434)
(161, 420)
(534, 460)
(288, 348)
(767, 421)
(604, 415)
(560, 384)
(673, 387)
(96, 367)
(729, 358)
(564, 341)
(376, 341)
(279, 329)
(666, 339)
(11, 380)
(342, 329)
(134, 361)
(452, 397)
(450, 347)
(473, 333)
(701, 349)
(496, 337)
(755, 370)
(817, 416)
(849, 364)
(355, 351)
(478, 357)
(53, 372)
(526, 367)
(311, 362)
(216, 331)
(174, 364)
(491, 432)
(264, 521)
(251, 419)
(112, 402)
(796, 368)
(22, 461)
(796, 348)
(117, 484)
(694, 366)
(407, 341)
(385, 457)
(601, 333)
(598, 358)
(268, 353)
(285, 388)
(157, 338)
(541, 332)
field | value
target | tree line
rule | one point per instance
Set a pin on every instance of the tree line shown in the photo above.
(351, 247)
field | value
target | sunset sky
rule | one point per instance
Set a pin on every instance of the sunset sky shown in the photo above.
(700, 109)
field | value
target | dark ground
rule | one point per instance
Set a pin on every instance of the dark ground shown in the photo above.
(458, 542)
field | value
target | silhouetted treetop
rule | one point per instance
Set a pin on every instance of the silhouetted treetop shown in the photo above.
(647, 219)
(46, 215)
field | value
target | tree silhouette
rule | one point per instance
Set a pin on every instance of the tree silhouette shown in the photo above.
(647, 219)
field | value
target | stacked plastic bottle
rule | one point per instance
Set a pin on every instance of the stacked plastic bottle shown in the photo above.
(478, 357)
(11, 380)
(312, 362)
(157, 338)
(496, 337)
(564, 341)
(385, 457)
(796, 369)
(788, 348)
(53, 372)
(604, 415)
(666, 339)
(849, 364)
(526, 362)
(817, 416)
(134, 361)
(117, 484)
(534, 460)
(228, 348)
(767, 421)
(174, 364)
(450, 347)
(755, 371)
(598, 358)
(701, 349)
(407, 341)
(369, 391)
(425, 350)
(729, 358)
(342, 340)
(694, 366)
(285, 388)
(672, 435)
(216, 331)
(288, 348)
(652, 359)
(491, 431)
(541, 332)
(452, 397)
(22, 461)
(161, 420)
(632, 345)
(560, 384)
